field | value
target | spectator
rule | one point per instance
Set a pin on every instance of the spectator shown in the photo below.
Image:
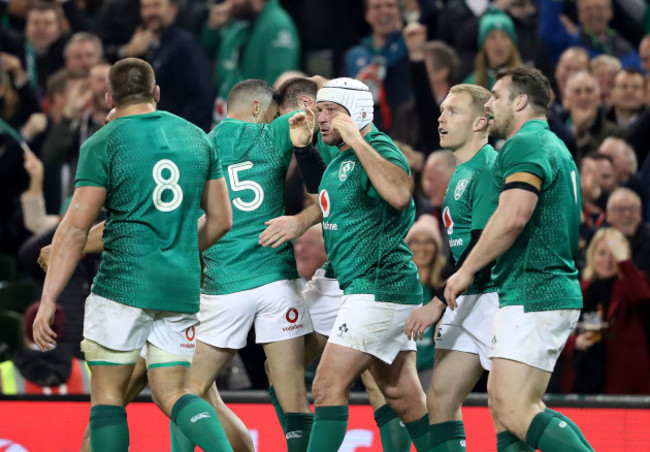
(248, 39)
(180, 64)
(582, 115)
(610, 355)
(605, 68)
(644, 53)
(593, 198)
(623, 159)
(31, 371)
(381, 60)
(40, 48)
(627, 98)
(606, 174)
(309, 251)
(425, 242)
(434, 69)
(455, 14)
(624, 214)
(646, 91)
(35, 217)
(497, 43)
(116, 22)
(83, 51)
(573, 59)
(592, 33)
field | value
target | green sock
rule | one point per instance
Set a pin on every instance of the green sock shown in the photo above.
(109, 431)
(394, 436)
(551, 434)
(278, 409)
(419, 433)
(330, 425)
(200, 423)
(177, 439)
(298, 430)
(572, 424)
(447, 437)
(508, 442)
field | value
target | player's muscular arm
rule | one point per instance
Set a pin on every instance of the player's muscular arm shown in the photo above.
(94, 244)
(67, 245)
(218, 213)
(391, 182)
(289, 227)
(515, 208)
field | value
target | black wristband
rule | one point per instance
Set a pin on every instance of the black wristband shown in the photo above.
(311, 167)
(440, 293)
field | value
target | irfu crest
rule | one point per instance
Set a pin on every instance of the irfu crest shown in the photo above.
(460, 188)
(345, 169)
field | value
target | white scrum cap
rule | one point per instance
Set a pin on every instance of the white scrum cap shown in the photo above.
(351, 94)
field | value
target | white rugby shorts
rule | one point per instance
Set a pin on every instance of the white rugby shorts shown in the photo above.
(468, 328)
(276, 309)
(373, 327)
(323, 297)
(533, 338)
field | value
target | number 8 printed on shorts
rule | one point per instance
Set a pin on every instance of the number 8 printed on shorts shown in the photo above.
(163, 184)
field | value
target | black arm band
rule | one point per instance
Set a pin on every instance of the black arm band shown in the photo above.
(520, 185)
(311, 167)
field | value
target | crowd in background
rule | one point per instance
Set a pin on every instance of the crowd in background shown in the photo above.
(55, 56)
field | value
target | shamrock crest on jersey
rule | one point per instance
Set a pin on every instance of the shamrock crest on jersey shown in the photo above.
(345, 169)
(460, 188)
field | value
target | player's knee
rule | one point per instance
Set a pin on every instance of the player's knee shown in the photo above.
(440, 401)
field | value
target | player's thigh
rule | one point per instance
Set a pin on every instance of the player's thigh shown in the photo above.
(372, 327)
(207, 362)
(314, 346)
(376, 398)
(339, 366)
(168, 384)
(138, 380)
(281, 313)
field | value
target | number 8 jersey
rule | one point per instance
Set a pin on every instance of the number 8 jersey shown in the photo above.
(255, 159)
(538, 271)
(154, 167)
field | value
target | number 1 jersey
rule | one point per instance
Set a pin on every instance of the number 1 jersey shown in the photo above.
(154, 167)
(255, 159)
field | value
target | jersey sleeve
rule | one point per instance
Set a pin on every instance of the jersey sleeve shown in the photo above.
(92, 169)
(279, 128)
(388, 150)
(485, 199)
(524, 154)
(216, 172)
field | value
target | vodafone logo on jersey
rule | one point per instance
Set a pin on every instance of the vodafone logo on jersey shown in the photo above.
(324, 201)
(446, 218)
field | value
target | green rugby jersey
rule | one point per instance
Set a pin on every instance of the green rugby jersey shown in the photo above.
(470, 201)
(364, 235)
(255, 159)
(154, 168)
(538, 271)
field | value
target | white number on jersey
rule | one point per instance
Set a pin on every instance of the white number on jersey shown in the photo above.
(575, 186)
(170, 183)
(239, 185)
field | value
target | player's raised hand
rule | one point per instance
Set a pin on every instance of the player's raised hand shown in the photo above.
(280, 230)
(44, 336)
(44, 257)
(457, 284)
(301, 128)
(423, 317)
(346, 127)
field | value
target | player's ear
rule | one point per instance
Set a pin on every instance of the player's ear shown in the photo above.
(521, 102)
(255, 108)
(109, 100)
(480, 123)
(305, 101)
(156, 94)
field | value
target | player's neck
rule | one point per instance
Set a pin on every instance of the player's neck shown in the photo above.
(521, 120)
(135, 109)
(467, 151)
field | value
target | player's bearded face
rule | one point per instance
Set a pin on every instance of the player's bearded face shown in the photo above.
(327, 111)
(500, 110)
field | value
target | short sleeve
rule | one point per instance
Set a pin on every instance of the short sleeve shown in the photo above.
(485, 199)
(92, 169)
(216, 172)
(388, 150)
(525, 154)
(279, 128)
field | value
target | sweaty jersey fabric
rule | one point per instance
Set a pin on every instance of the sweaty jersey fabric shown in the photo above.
(470, 201)
(255, 159)
(364, 235)
(154, 168)
(538, 271)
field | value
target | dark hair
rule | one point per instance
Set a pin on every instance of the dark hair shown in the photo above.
(444, 56)
(249, 90)
(596, 155)
(288, 93)
(532, 83)
(631, 71)
(131, 81)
